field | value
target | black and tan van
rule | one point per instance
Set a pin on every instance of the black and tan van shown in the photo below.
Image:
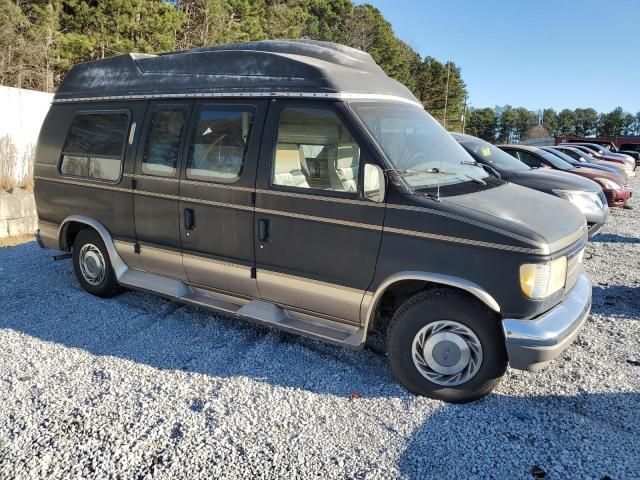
(294, 184)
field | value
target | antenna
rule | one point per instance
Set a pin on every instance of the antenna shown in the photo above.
(446, 94)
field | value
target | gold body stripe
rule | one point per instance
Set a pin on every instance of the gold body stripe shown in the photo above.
(312, 218)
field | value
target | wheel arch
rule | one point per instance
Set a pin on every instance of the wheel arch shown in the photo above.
(417, 281)
(72, 225)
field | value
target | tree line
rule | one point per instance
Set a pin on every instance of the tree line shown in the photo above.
(40, 40)
(508, 124)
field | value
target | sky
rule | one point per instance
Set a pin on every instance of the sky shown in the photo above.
(533, 54)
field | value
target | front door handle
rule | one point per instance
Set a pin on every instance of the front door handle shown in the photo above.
(263, 230)
(189, 219)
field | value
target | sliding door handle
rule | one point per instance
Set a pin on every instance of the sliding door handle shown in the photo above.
(189, 219)
(263, 230)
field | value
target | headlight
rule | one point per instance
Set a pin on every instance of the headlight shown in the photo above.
(539, 280)
(582, 200)
(606, 183)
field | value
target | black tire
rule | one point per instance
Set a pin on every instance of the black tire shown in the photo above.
(108, 286)
(446, 304)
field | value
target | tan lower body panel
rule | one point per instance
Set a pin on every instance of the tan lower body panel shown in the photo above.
(328, 299)
(158, 260)
(126, 252)
(324, 298)
(230, 277)
(49, 235)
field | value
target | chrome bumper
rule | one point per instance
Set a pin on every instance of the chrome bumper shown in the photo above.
(531, 344)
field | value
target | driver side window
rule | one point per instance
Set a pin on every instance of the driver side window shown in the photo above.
(314, 150)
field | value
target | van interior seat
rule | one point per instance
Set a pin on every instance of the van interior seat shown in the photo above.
(344, 174)
(288, 166)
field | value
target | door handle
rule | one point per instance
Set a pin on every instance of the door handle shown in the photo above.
(189, 219)
(263, 230)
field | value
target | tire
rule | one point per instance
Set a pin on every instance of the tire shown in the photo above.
(95, 274)
(424, 330)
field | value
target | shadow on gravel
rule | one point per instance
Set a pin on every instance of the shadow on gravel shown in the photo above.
(614, 238)
(616, 300)
(583, 436)
(41, 298)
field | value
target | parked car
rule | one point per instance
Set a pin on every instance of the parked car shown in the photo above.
(632, 149)
(628, 170)
(629, 162)
(586, 160)
(615, 187)
(294, 184)
(612, 185)
(608, 145)
(585, 194)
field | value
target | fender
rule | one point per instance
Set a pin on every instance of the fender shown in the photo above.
(448, 280)
(119, 267)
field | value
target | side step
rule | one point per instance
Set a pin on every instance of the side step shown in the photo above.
(260, 311)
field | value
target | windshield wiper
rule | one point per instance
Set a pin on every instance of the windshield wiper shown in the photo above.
(479, 181)
(472, 163)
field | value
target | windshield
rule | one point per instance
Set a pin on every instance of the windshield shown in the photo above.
(419, 149)
(557, 162)
(484, 152)
(562, 155)
(591, 146)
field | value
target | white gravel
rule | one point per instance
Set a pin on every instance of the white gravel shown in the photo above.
(140, 387)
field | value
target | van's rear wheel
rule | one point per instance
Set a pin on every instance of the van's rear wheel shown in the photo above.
(445, 345)
(92, 265)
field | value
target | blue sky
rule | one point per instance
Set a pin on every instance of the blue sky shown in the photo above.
(535, 54)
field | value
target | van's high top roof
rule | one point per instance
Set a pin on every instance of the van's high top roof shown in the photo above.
(267, 68)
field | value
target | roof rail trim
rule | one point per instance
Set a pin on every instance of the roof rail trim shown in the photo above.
(306, 95)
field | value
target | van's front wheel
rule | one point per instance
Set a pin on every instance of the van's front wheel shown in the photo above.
(445, 345)
(92, 265)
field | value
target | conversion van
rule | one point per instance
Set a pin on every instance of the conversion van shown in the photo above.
(294, 184)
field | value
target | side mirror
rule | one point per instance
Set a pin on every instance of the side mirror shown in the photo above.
(374, 183)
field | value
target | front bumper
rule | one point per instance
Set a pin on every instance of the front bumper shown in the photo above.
(532, 344)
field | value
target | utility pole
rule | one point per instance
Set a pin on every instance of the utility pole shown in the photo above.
(446, 94)
(464, 115)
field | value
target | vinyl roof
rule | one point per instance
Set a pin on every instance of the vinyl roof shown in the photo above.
(274, 67)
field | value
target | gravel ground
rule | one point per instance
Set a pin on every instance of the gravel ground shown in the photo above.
(140, 387)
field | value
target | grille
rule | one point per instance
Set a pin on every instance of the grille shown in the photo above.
(574, 267)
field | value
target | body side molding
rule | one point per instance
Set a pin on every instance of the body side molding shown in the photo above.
(474, 289)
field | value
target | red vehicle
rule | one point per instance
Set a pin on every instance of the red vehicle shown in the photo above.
(613, 185)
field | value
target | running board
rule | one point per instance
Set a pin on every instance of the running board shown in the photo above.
(259, 311)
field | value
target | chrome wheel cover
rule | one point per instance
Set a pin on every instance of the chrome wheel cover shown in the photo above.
(92, 264)
(446, 353)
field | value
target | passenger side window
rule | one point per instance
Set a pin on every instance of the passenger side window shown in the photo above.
(315, 150)
(218, 147)
(163, 141)
(94, 146)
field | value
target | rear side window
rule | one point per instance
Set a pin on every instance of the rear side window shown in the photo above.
(163, 140)
(94, 146)
(219, 143)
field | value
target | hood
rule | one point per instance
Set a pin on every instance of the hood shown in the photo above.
(547, 180)
(593, 173)
(557, 221)
(597, 166)
(626, 159)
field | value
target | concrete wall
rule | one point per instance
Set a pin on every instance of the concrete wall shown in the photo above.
(21, 115)
(17, 214)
